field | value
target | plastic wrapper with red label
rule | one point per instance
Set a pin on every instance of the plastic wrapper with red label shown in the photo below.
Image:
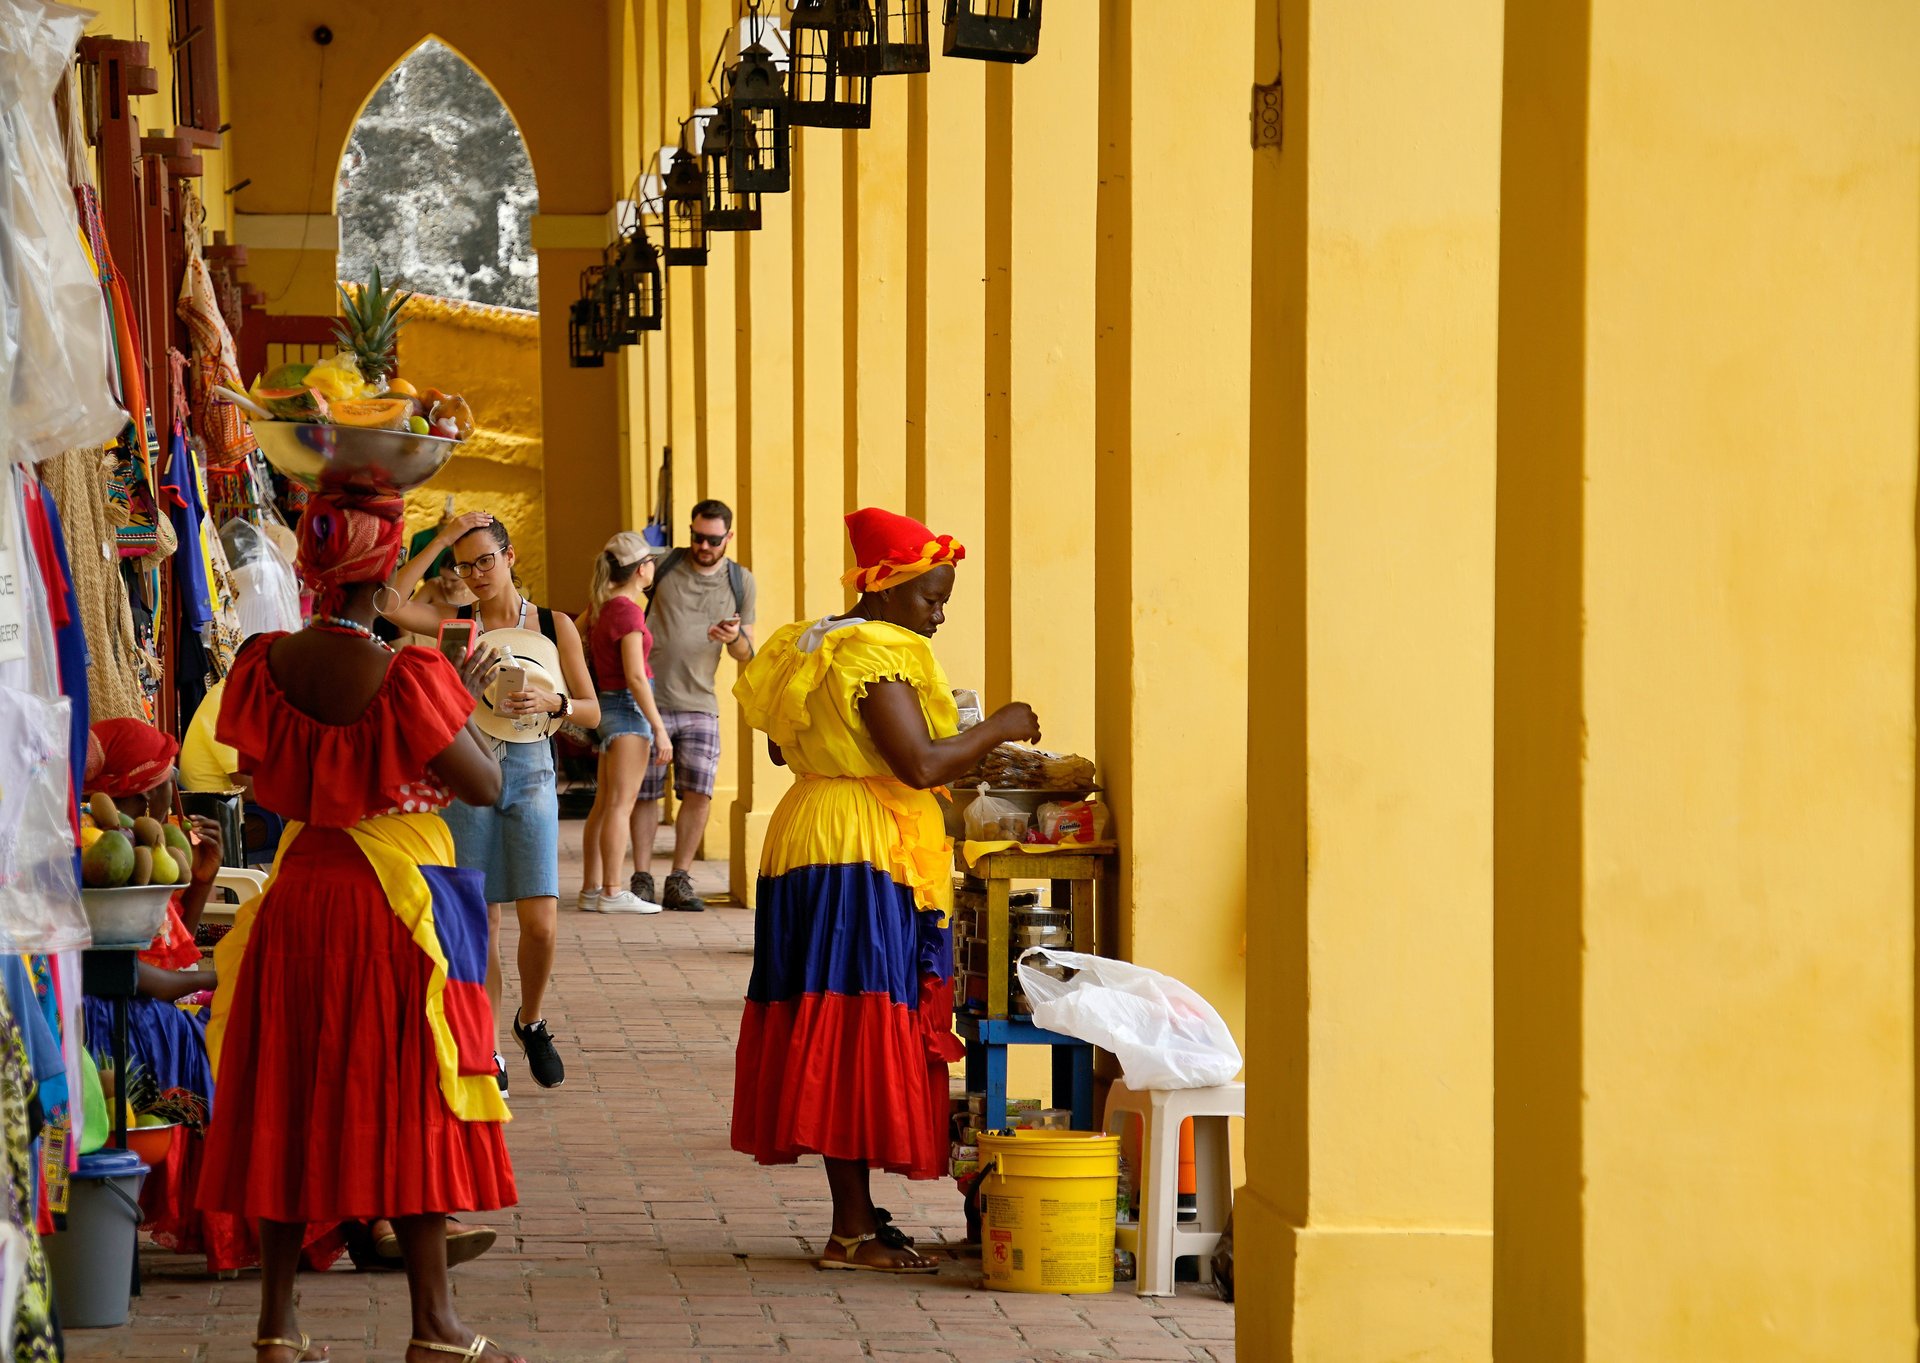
(1077, 823)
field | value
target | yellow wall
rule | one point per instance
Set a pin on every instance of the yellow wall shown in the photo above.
(492, 357)
(1706, 802)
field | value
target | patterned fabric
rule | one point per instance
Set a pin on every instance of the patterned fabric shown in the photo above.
(889, 549)
(35, 1340)
(696, 755)
(344, 541)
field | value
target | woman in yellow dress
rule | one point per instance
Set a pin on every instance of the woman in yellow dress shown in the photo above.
(847, 1033)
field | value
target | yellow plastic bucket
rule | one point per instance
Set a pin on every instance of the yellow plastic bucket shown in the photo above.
(1047, 1208)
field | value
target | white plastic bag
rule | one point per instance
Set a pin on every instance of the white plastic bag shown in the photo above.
(1164, 1035)
(266, 590)
(54, 330)
(992, 820)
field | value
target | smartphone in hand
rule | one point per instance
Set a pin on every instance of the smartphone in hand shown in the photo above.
(456, 639)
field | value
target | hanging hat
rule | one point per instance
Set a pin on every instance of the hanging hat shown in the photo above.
(891, 549)
(534, 651)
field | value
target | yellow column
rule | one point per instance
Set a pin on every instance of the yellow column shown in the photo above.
(1369, 825)
(877, 295)
(1170, 501)
(820, 367)
(946, 471)
(1705, 685)
(1042, 153)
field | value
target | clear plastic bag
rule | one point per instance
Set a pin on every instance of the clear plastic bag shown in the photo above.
(267, 591)
(40, 906)
(990, 820)
(55, 334)
(1164, 1035)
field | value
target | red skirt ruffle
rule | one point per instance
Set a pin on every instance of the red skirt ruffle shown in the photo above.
(329, 1105)
(848, 1076)
(172, 1216)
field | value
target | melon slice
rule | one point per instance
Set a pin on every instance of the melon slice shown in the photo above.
(385, 414)
(292, 404)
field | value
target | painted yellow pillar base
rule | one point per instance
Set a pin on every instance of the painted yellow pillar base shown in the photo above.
(749, 837)
(1359, 1295)
(716, 843)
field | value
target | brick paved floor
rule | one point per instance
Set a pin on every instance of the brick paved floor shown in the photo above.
(641, 1236)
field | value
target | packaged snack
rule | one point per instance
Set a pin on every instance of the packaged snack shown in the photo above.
(991, 820)
(1082, 821)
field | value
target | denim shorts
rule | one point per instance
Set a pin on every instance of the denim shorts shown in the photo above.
(620, 716)
(515, 843)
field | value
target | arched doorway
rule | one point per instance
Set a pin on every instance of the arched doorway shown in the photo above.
(436, 188)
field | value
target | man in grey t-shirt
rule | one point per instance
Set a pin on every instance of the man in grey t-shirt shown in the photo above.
(702, 607)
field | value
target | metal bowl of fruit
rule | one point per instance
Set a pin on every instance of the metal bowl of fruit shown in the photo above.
(356, 458)
(130, 916)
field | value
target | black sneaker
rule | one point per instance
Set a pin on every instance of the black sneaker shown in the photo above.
(681, 895)
(543, 1061)
(500, 1072)
(642, 886)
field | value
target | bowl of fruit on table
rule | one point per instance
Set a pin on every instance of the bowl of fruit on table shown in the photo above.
(349, 421)
(129, 869)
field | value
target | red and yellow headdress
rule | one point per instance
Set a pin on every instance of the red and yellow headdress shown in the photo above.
(892, 549)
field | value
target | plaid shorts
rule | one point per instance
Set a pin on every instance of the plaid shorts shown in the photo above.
(696, 755)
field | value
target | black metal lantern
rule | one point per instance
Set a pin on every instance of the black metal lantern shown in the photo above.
(582, 352)
(633, 273)
(993, 30)
(686, 213)
(828, 81)
(898, 46)
(730, 208)
(762, 144)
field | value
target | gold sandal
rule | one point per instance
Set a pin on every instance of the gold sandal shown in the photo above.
(471, 1352)
(850, 1246)
(299, 1346)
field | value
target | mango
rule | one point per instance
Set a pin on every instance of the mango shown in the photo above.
(177, 840)
(108, 863)
(89, 835)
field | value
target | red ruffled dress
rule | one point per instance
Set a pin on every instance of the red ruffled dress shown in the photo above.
(330, 1103)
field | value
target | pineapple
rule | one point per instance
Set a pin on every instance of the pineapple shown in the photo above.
(371, 327)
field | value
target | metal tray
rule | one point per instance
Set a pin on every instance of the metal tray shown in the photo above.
(352, 457)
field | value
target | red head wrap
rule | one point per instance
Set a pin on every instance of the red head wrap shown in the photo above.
(134, 757)
(891, 549)
(347, 538)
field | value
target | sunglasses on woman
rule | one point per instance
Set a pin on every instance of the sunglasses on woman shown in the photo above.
(483, 564)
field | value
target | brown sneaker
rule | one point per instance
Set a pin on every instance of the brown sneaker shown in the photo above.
(680, 894)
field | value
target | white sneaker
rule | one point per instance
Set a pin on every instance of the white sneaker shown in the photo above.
(588, 902)
(623, 901)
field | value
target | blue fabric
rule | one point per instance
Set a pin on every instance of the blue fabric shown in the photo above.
(186, 513)
(43, 1047)
(843, 930)
(167, 1039)
(460, 920)
(514, 844)
(620, 716)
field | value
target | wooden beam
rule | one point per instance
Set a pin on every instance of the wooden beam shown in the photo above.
(199, 137)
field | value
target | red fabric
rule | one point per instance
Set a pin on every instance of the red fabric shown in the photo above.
(617, 619)
(329, 1103)
(346, 540)
(134, 757)
(167, 1202)
(883, 540)
(51, 573)
(848, 1076)
(173, 948)
(334, 775)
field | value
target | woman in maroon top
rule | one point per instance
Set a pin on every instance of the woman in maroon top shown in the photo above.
(630, 729)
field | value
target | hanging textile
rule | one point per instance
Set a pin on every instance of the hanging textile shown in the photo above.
(181, 494)
(114, 663)
(35, 1339)
(222, 427)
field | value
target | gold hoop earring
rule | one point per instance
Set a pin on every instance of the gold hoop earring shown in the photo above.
(386, 587)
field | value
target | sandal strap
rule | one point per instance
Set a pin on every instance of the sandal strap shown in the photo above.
(852, 1242)
(473, 1350)
(299, 1346)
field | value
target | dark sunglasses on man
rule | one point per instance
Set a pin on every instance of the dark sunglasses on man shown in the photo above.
(712, 541)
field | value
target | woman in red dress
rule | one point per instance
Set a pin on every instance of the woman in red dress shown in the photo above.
(351, 1036)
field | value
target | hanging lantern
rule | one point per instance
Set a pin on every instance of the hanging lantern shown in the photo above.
(993, 30)
(593, 288)
(828, 84)
(898, 45)
(636, 268)
(762, 145)
(730, 208)
(582, 353)
(686, 220)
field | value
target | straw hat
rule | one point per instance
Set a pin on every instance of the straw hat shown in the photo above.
(532, 650)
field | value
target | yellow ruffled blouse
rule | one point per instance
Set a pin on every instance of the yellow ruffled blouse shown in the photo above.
(803, 690)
